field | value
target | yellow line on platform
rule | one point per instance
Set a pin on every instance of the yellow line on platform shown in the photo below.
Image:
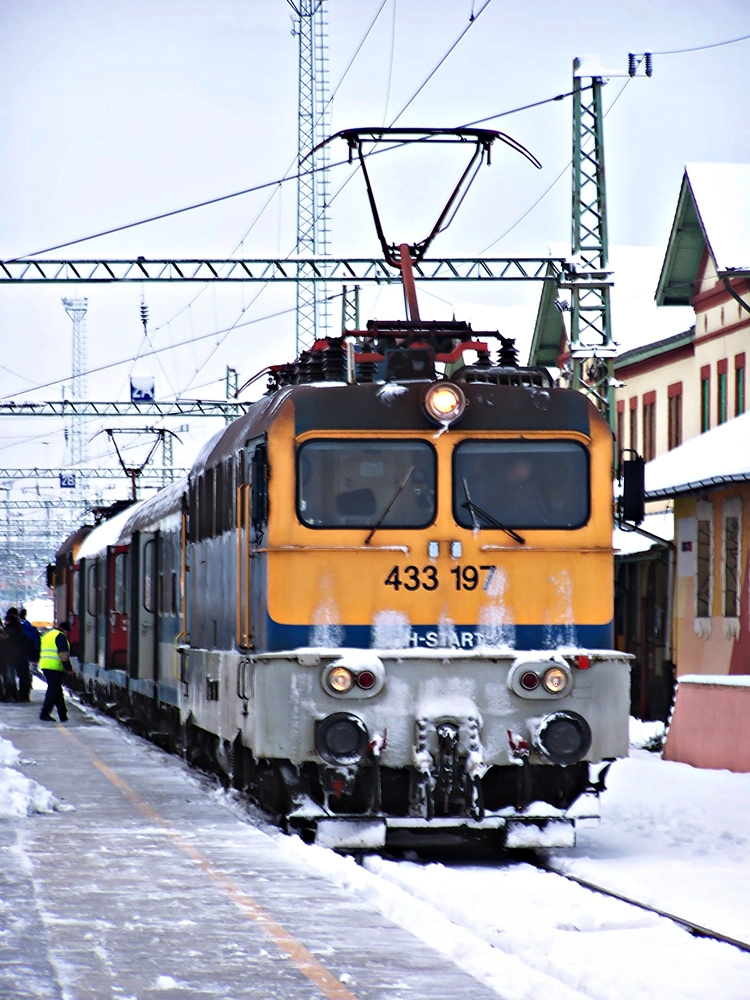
(304, 960)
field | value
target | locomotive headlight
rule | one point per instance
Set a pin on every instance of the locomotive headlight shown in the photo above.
(444, 402)
(564, 737)
(340, 680)
(341, 738)
(555, 680)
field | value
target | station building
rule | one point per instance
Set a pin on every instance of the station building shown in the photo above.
(683, 407)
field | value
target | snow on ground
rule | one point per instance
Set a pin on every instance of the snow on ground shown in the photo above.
(19, 796)
(671, 835)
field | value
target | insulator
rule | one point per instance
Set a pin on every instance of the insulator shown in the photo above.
(631, 64)
(334, 361)
(144, 314)
(508, 355)
(366, 371)
(649, 64)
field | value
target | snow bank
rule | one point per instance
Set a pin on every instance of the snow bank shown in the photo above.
(646, 735)
(19, 796)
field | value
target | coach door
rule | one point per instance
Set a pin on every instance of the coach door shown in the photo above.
(117, 607)
(88, 637)
(143, 606)
(252, 478)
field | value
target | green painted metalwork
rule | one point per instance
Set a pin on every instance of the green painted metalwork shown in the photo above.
(591, 346)
(315, 269)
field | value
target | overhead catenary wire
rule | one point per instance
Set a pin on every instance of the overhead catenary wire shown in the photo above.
(701, 48)
(156, 350)
(547, 190)
(276, 186)
(472, 21)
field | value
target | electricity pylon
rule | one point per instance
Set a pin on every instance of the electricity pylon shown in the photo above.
(312, 178)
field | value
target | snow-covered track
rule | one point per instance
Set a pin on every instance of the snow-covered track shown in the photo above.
(697, 930)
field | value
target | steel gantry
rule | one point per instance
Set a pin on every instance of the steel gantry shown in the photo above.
(311, 269)
(152, 474)
(228, 409)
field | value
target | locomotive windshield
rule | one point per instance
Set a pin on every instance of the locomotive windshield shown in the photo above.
(520, 484)
(364, 484)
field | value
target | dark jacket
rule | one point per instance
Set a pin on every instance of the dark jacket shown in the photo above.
(18, 649)
(34, 639)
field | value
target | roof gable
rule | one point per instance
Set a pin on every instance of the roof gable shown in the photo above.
(550, 335)
(713, 215)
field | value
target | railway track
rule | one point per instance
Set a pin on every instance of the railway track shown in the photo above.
(697, 930)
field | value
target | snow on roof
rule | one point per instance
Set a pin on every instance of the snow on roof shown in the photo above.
(628, 543)
(718, 457)
(105, 534)
(636, 319)
(158, 507)
(721, 192)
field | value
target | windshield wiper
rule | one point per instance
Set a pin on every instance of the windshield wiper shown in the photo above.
(488, 519)
(385, 513)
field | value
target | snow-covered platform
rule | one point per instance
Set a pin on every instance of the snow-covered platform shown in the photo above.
(140, 881)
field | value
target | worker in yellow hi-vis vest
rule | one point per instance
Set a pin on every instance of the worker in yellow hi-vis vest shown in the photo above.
(54, 662)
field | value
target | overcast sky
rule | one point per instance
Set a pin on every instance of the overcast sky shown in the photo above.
(115, 111)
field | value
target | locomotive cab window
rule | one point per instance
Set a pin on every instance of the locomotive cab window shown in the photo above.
(361, 484)
(521, 484)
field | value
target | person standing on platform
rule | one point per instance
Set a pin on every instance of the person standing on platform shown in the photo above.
(17, 652)
(54, 661)
(7, 673)
(34, 638)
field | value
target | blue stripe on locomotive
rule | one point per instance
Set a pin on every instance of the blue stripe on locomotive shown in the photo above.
(279, 637)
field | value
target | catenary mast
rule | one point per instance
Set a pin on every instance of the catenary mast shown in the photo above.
(312, 180)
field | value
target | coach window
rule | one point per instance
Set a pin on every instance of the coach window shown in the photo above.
(149, 576)
(366, 483)
(121, 582)
(75, 609)
(521, 484)
(91, 590)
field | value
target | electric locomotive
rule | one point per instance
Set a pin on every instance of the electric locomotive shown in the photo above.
(382, 600)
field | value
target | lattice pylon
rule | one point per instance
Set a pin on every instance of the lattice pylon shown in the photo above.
(77, 309)
(312, 180)
(591, 346)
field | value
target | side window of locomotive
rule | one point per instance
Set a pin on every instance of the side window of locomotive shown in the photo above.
(521, 484)
(360, 484)
(259, 473)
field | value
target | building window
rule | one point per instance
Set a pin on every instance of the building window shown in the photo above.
(649, 426)
(703, 569)
(705, 399)
(620, 428)
(731, 557)
(721, 391)
(634, 423)
(674, 415)
(739, 384)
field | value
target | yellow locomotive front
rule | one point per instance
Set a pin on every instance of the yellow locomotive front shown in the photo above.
(433, 650)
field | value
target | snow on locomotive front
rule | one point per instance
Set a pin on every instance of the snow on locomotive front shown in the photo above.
(422, 624)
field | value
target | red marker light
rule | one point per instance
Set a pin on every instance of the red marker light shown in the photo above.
(366, 679)
(583, 663)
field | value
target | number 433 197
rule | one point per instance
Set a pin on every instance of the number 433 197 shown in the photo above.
(426, 578)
